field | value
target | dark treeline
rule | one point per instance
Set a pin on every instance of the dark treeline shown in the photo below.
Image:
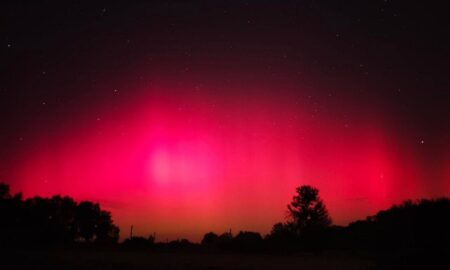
(410, 226)
(52, 221)
(413, 226)
(422, 224)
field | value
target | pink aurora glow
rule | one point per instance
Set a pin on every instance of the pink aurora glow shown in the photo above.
(181, 166)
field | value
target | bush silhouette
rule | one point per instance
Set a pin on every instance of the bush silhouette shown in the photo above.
(248, 242)
(210, 239)
(282, 238)
(138, 242)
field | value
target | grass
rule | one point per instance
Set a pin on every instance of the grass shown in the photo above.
(93, 259)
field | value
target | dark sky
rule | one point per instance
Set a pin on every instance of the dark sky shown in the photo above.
(345, 86)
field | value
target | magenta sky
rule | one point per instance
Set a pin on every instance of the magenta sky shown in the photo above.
(181, 165)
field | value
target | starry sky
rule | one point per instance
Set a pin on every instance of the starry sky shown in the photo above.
(182, 117)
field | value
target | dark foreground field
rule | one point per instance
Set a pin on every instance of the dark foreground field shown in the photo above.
(120, 259)
(148, 260)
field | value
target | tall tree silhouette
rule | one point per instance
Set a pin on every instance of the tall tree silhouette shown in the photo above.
(308, 218)
(307, 211)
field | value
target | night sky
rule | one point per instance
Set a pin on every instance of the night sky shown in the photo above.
(182, 117)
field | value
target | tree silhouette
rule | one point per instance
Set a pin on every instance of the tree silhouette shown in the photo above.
(4, 191)
(91, 222)
(106, 231)
(307, 211)
(308, 217)
(86, 216)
